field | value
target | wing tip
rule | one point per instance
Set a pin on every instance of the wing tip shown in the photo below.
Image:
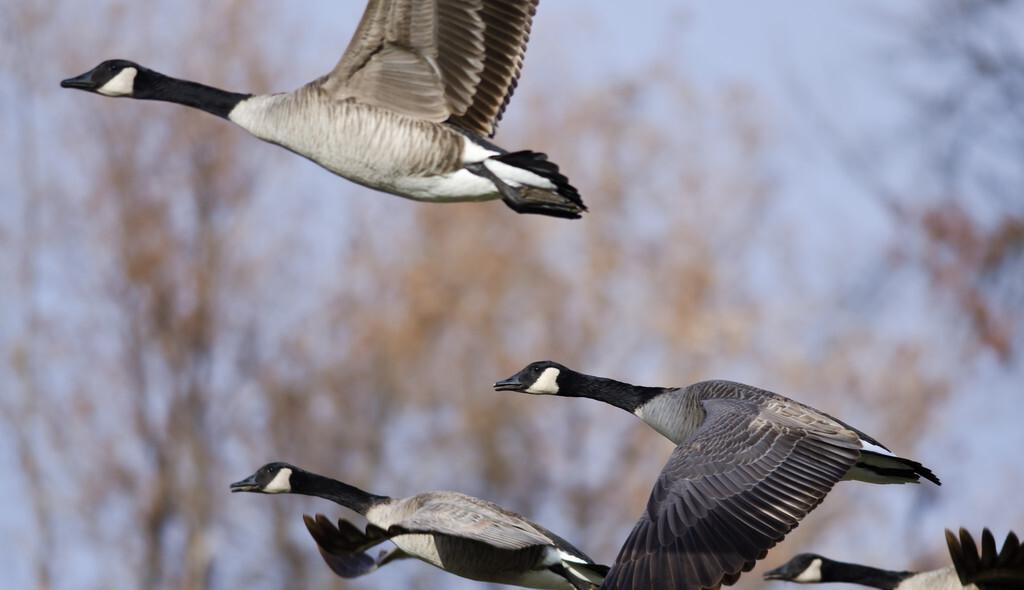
(991, 564)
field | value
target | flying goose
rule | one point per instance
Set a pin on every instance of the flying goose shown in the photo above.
(404, 111)
(985, 570)
(749, 464)
(460, 534)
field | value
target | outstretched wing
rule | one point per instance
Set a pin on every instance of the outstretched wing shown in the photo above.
(988, 569)
(437, 60)
(730, 492)
(344, 547)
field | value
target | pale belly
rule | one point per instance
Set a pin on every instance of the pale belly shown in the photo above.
(942, 579)
(458, 186)
(461, 185)
(432, 550)
(382, 151)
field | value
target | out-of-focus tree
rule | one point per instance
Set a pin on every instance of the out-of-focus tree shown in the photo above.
(949, 175)
(122, 259)
(966, 222)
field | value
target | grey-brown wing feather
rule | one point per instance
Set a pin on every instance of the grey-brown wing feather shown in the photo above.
(451, 515)
(507, 26)
(365, 41)
(395, 63)
(730, 492)
(566, 546)
(436, 60)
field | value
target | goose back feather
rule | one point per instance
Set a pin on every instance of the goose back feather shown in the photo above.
(470, 536)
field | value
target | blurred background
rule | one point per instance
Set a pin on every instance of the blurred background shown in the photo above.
(822, 199)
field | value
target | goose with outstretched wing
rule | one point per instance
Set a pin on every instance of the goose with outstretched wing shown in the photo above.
(405, 111)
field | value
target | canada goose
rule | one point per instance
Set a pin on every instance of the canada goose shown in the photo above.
(984, 570)
(749, 464)
(460, 534)
(404, 111)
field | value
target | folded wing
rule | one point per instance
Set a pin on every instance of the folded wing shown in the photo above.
(469, 518)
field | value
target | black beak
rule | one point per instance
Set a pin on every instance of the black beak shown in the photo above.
(83, 82)
(778, 573)
(510, 384)
(246, 485)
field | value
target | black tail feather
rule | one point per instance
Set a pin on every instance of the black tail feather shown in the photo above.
(893, 466)
(539, 164)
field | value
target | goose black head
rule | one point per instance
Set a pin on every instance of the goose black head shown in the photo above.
(804, 568)
(272, 478)
(539, 378)
(114, 77)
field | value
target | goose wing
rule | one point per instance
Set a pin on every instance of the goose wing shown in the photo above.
(344, 546)
(437, 60)
(988, 569)
(464, 517)
(731, 491)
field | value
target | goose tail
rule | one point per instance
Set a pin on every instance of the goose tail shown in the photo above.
(886, 468)
(530, 183)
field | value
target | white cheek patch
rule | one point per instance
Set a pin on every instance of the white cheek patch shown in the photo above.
(547, 383)
(120, 85)
(810, 575)
(282, 482)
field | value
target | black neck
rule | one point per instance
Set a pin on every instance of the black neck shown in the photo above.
(311, 484)
(619, 394)
(150, 85)
(852, 573)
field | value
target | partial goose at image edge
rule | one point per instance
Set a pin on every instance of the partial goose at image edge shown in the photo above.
(974, 568)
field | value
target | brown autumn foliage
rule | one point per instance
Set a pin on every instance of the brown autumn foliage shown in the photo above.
(191, 304)
(970, 225)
